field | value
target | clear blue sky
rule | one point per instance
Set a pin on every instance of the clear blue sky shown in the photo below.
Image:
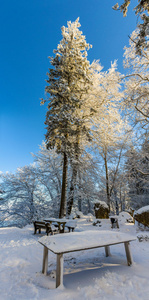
(29, 31)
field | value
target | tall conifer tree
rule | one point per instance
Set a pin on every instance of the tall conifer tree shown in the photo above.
(68, 84)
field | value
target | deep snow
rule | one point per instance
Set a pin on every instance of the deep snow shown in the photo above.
(87, 274)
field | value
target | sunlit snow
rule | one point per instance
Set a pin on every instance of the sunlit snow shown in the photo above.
(87, 274)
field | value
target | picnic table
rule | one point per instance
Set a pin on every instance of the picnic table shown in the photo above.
(60, 223)
(77, 241)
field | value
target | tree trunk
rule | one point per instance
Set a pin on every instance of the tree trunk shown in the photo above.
(79, 197)
(107, 182)
(72, 189)
(62, 212)
(32, 209)
(89, 206)
(74, 172)
(79, 203)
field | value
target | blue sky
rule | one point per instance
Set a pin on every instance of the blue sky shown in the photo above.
(29, 31)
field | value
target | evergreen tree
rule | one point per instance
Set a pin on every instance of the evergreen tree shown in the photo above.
(68, 84)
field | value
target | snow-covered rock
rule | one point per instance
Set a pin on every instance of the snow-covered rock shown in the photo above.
(125, 217)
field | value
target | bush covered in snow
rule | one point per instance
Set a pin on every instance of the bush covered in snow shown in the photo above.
(101, 210)
(142, 215)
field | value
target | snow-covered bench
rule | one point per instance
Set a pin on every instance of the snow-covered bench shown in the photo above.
(71, 225)
(77, 241)
(38, 225)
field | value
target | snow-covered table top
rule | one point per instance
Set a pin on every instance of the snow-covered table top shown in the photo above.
(76, 241)
(56, 220)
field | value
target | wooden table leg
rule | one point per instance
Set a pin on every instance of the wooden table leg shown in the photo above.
(63, 230)
(45, 261)
(59, 270)
(128, 253)
(61, 225)
(107, 250)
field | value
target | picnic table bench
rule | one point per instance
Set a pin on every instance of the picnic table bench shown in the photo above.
(38, 225)
(71, 225)
(77, 241)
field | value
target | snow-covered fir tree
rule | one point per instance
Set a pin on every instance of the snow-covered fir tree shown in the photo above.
(68, 81)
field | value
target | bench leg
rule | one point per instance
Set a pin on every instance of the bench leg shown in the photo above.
(45, 261)
(59, 270)
(107, 251)
(128, 253)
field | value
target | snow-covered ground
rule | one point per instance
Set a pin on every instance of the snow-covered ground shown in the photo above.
(87, 274)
